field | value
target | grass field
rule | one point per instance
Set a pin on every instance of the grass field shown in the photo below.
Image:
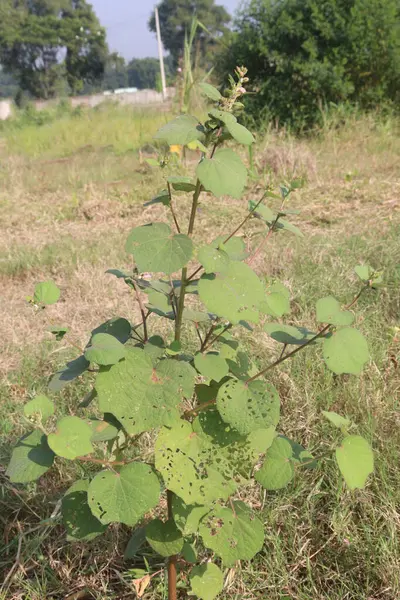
(70, 191)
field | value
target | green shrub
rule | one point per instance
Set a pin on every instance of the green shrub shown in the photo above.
(305, 54)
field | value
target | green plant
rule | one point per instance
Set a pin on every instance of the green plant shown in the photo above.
(212, 414)
(304, 56)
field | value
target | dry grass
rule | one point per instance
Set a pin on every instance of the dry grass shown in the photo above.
(68, 219)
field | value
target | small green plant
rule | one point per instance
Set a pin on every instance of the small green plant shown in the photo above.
(211, 416)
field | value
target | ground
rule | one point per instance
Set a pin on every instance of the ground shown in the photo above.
(71, 188)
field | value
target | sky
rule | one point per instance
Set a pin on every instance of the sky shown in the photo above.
(126, 24)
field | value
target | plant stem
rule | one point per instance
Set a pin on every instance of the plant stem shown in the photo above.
(199, 408)
(211, 342)
(172, 208)
(282, 358)
(264, 241)
(142, 310)
(172, 560)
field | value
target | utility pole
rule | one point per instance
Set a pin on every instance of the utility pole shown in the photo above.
(160, 54)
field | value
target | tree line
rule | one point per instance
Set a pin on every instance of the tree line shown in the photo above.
(302, 55)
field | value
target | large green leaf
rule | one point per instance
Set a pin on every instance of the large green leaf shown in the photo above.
(210, 91)
(248, 406)
(277, 470)
(164, 538)
(211, 365)
(156, 248)
(224, 174)
(71, 371)
(232, 534)
(46, 293)
(187, 516)
(213, 259)
(30, 459)
(72, 438)
(143, 397)
(329, 311)
(181, 131)
(356, 461)
(187, 462)
(234, 293)
(346, 351)
(105, 349)
(126, 496)
(207, 581)
(80, 523)
(39, 407)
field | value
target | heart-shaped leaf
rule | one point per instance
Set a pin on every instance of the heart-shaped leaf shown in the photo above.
(346, 351)
(126, 496)
(207, 581)
(329, 311)
(181, 131)
(164, 538)
(356, 461)
(233, 534)
(72, 438)
(248, 406)
(234, 293)
(40, 407)
(46, 293)
(80, 523)
(31, 458)
(105, 350)
(224, 174)
(211, 365)
(277, 470)
(156, 248)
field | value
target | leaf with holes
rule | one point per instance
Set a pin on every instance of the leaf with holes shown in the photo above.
(126, 496)
(234, 294)
(181, 130)
(142, 396)
(207, 581)
(356, 461)
(72, 438)
(337, 420)
(40, 407)
(105, 350)
(80, 523)
(211, 365)
(156, 248)
(186, 461)
(187, 516)
(210, 91)
(233, 534)
(30, 459)
(46, 293)
(213, 259)
(248, 406)
(235, 247)
(346, 351)
(329, 311)
(224, 174)
(277, 470)
(164, 538)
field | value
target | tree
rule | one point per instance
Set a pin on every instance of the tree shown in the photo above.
(144, 73)
(176, 18)
(303, 54)
(45, 43)
(115, 75)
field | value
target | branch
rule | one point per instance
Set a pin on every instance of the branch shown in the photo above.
(199, 408)
(172, 208)
(100, 461)
(211, 342)
(282, 358)
(142, 310)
